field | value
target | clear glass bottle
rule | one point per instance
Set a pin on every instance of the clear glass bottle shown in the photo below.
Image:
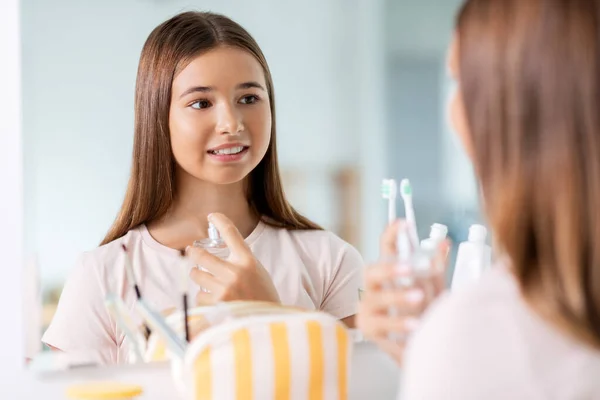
(214, 244)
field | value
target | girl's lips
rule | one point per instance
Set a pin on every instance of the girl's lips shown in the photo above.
(228, 157)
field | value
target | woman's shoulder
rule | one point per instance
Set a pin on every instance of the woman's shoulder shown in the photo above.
(479, 308)
(494, 297)
(459, 314)
(465, 337)
(314, 243)
(486, 342)
(494, 289)
(109, 254)
(334, 267)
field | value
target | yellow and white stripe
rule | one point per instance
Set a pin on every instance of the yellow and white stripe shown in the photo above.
(300, 356)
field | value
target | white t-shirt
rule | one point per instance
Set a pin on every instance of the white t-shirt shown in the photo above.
(486, 343)
(311, 269)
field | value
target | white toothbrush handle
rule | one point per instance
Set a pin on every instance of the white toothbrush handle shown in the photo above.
(409, 211)
(158, 324)
(117, 309)
(405, 251)
(413, 231)
(391, 210)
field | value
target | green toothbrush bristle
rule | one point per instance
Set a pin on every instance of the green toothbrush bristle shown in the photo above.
(406, 188)
(388, 187)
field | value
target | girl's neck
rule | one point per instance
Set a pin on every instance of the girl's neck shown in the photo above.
(186, 221)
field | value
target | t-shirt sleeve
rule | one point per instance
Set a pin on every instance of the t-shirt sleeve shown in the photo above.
(82, 325)
(342, 294)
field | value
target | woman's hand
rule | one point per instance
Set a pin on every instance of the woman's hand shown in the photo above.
(389, 329)
(239, 277)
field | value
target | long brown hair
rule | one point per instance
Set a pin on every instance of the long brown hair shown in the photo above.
(151, 188)
(530, 78)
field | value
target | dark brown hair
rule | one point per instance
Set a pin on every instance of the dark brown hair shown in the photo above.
(151, 188)
(530, 79)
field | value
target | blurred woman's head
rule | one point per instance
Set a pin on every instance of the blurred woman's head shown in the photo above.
(527, 110)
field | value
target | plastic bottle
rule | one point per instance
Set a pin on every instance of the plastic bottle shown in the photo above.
(474, 256)
(437, 234)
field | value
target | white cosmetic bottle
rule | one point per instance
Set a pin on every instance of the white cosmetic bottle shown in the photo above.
(437, 235)
(474, 256)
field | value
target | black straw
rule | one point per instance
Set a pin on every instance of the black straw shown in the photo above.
(185, 317)
(138, 294)
(186, 323)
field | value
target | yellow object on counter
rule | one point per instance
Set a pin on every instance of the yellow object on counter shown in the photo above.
(104, 390)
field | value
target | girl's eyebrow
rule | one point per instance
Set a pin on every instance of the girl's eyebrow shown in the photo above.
(205, 89)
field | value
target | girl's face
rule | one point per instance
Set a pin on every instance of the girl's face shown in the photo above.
(220, 116)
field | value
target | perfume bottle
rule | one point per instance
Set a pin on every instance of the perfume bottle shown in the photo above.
(214, 244)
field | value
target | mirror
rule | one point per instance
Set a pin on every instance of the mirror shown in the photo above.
(360, 97)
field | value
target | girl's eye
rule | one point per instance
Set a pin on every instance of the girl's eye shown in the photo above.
(200, 104)
(250, 99)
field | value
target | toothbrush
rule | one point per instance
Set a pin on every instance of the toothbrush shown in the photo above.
(405, 252)
(409, 212)
(133, 282)
(158, 324)
(117, 309)
(389, 191)
(183, 288)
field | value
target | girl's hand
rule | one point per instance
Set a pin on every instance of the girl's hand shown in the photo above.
(381, 295)
(240, 277)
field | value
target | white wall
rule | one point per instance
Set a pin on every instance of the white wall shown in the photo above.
(414, 146)
(11, 200)
(80, 60)
(462, 193)
(420, 27)
(368, 95)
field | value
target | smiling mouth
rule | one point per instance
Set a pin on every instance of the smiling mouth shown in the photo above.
(228, 151)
